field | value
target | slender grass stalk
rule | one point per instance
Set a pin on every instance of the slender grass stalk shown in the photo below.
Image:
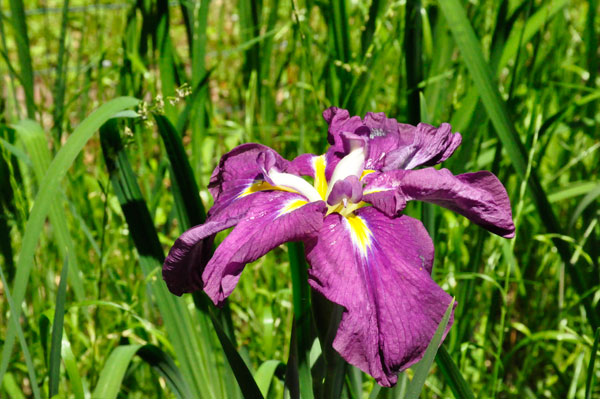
(452, 374)
(57, 332)
(19, 24)
(24, 347)
(34, 138)
(61, 76)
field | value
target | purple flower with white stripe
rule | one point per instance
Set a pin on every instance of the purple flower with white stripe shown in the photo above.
(364, 253)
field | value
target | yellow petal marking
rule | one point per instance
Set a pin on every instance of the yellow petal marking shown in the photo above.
(366, 172)
(262, 186)
(319, 164)
(376, 190)
(292, 206)
(360, 233)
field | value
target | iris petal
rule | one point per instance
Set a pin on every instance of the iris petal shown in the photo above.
(479, 196)
(392, 306)
(265, 226)
(391, 145)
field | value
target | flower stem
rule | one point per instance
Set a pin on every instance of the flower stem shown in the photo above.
(302, 319)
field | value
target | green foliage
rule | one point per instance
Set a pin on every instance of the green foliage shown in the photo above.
(519, 79)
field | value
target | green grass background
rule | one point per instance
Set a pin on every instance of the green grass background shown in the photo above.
(86, 217)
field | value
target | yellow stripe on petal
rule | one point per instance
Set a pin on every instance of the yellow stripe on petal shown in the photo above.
(262, 186)
(360, 233)
(319, 164)
(292, 206)
(366, 172)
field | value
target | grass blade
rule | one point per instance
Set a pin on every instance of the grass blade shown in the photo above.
(265, 375)
(59, 83)
(19, 23)
(26, 354)
(589, 381)
(532, 26)
(45, 198)
(57, 332)
(34, 138)
(413, 54)
(165, 366)
(70, 362)
(452, 375)
(182, 174)
(422, 368)
(111, 376)
(240, 370)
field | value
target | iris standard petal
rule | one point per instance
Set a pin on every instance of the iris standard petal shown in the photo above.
(392, 145)
(378, 268)
(268, 224)
(478, 196)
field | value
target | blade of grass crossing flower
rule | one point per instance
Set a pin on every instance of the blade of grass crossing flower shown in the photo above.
(178, 322)
(479, 70)
(452, 375)
(34, 138)
(44, 200)
(422, 368)
(19, 23)
(591, 375)
(19, 332)
(302, 316)
(57, 332)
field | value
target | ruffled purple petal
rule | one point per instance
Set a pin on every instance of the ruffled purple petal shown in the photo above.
(391, 145)
(183, 267)
(478, 196)
(430, 146)
(268, 224)
(240, 167)
(392, 306)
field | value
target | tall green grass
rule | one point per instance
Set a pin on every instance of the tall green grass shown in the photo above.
(86, 218)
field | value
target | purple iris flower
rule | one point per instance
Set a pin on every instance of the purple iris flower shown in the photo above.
(364, 253)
